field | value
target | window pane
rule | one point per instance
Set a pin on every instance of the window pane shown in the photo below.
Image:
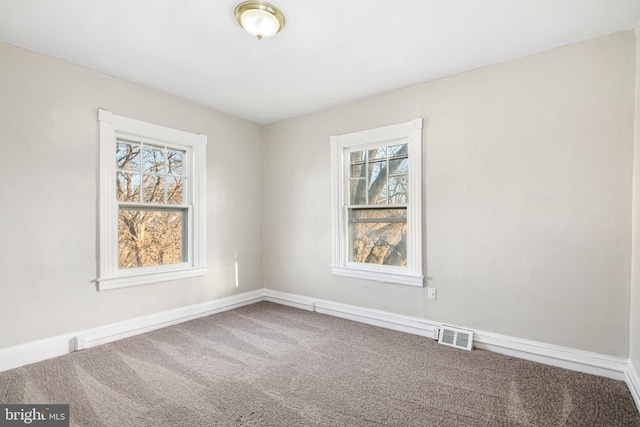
(153, 189)
(377, 182)
(357, 157)
(378, 194)
(174, 190)
(398, 166)
(153, 159)
(127, 155)
(358, 171)
(151, 237)
(398, 150)
(398, 189)
(175, 163)
(379, 236)
(377, 153)
(128, 187)
(358, 192)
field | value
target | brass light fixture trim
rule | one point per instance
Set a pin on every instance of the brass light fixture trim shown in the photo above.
(259, 18)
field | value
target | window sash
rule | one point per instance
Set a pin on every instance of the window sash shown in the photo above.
(137, 167)
(367, 166)
(378, 237)
(185, 236)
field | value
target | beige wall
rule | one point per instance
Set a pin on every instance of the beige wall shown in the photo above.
(48, 184)
(635, 280)
(528, 172)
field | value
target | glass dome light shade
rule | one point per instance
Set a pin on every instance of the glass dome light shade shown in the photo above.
(259, 18)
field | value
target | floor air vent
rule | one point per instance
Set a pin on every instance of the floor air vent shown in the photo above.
(455, 337)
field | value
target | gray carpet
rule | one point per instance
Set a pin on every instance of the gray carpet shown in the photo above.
(270, 365)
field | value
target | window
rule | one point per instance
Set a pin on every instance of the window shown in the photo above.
(152, 203)
(377, 221)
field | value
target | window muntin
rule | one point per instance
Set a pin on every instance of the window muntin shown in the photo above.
(152, 207)
(376, 178)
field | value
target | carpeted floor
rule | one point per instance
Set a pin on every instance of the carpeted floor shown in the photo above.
(270, 365)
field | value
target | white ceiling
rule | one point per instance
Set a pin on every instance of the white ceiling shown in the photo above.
(329, 52)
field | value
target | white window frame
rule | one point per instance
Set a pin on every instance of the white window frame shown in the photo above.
(341, 145)
(113, 127)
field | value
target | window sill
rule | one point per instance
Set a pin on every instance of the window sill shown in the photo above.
(106, 284)
(378, 275)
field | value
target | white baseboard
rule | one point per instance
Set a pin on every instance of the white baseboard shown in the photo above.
(359, 314)
(25, 354)
(563, 357)
(291, 300)
(553, 355)
(140, 325)
(633, 382)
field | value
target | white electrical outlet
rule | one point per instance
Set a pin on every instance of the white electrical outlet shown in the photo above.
(431, 293)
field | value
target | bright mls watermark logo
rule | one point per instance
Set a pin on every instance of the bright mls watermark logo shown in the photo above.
(34, 415)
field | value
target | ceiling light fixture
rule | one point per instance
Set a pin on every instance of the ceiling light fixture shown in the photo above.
(259, 18)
